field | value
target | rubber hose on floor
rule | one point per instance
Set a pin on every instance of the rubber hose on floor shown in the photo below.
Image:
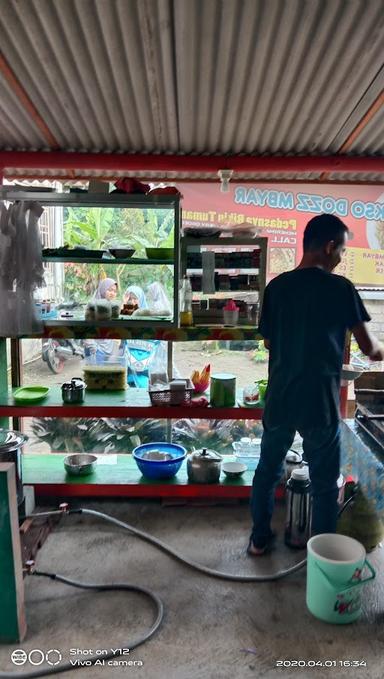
(66, 667)
(159, 606)
(265, 577)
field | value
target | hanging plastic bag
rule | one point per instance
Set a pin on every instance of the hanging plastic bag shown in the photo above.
(21, 268)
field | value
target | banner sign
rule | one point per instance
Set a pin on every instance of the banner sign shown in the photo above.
(282, 214)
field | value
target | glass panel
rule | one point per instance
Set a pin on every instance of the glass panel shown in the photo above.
(90, 435)
(128, 232)
(218, 435)
(70, 286)
(57, 363)
(222, 272)
(113, 435)
(248, 360)
(51, 362)
(48, 368)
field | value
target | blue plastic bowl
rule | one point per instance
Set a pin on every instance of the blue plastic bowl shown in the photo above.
(159, 469)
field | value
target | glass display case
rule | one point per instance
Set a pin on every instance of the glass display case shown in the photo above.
(131, 241)
(223, 270)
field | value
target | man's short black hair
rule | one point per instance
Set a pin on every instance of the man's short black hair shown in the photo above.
(322, 229)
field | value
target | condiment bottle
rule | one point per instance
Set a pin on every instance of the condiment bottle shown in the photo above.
(186, 316)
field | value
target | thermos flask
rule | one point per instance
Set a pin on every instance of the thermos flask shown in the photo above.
(298, 522)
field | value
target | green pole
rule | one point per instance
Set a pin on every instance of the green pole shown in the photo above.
(12, 614)
(4, 421)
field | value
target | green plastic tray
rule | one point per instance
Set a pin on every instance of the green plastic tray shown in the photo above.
(30, 394)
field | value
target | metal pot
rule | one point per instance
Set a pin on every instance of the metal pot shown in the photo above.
(10, 451)
(204, 466)
(74, 391)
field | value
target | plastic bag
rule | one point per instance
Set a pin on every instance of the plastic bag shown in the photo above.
(158, 372)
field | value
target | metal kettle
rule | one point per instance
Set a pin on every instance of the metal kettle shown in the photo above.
(204, 466)
(293, 460)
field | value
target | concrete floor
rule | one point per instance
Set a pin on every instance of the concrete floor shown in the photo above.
(212, 629)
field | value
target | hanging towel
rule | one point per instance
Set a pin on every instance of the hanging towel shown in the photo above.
(208, 265)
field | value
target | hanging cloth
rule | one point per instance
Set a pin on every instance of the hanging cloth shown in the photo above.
(21, 267)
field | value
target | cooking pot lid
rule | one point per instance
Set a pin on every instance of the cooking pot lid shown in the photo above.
(9, 440)
(293, 457)
(206, 455)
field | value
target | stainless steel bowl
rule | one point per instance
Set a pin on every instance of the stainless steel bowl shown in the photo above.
(80, 464)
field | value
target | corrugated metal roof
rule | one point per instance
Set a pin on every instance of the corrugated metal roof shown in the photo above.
(17, 130)
(194, 76)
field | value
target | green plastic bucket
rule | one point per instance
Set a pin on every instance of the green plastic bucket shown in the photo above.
(334, 577)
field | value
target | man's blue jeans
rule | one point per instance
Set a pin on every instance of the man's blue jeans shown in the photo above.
(322, 451)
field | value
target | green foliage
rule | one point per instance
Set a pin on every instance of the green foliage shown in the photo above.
(147, 229)
(81, 281)
(215, 434)
(122, 436)
(67, 435)
(112, 435)
(104, 227)
(260, 355)
(90, 230)
(94, 435)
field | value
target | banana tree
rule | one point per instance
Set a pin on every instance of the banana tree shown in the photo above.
(90, 230)
(86, 228)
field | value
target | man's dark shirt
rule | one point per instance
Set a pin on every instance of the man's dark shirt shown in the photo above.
(305, 316)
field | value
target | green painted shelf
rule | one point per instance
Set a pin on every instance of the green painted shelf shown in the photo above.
(129, 403)
(122, 479)
(134, 261)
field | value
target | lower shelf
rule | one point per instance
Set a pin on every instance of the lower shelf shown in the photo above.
(123, 479)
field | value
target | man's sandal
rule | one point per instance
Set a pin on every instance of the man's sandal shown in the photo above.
(260, 551)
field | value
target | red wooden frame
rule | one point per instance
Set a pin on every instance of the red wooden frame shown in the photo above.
(63, 160)
(157, 412)
(155, 490)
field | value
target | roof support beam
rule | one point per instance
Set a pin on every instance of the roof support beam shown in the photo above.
(62, 160)
(367, 117)
(27, 103)
(185, 180)
(376, 105)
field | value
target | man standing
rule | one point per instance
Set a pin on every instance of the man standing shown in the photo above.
(305, 316)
